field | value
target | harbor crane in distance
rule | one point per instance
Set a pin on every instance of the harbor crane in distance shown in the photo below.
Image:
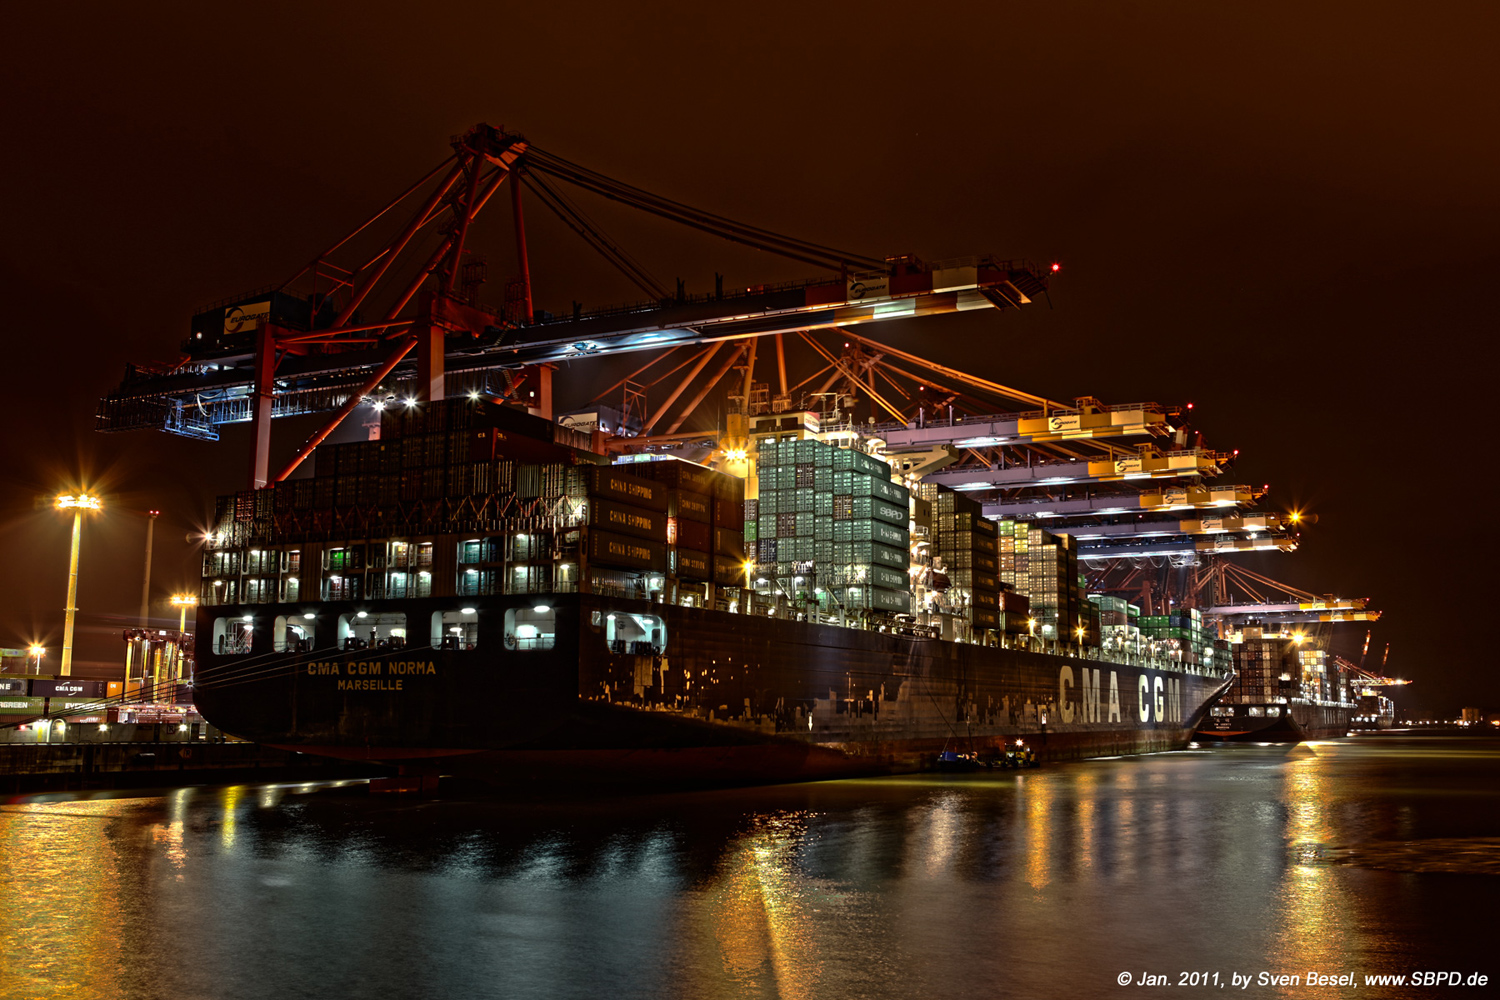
(1222, 591)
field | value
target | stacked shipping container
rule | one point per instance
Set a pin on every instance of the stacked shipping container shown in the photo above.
(705, 518)
(1057, 598)
(386, 518)
(831, 518)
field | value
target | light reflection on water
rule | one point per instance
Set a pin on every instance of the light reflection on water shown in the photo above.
(1044, 883)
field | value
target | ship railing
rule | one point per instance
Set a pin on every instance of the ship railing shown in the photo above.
(635, 647)
(608, 589)
(536, 642)
(393, 642)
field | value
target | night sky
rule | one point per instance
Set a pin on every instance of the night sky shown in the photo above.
(1284, 215)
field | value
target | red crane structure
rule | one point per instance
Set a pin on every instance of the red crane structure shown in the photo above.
(391, 312)
(326, 338)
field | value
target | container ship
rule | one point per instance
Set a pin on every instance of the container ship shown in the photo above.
(1287, 688)
(477, 592)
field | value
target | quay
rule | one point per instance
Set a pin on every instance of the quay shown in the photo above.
(155, 755)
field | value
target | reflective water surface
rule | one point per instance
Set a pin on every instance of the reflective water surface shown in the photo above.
(1369, 856)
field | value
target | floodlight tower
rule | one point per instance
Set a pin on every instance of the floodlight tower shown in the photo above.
(77, 504)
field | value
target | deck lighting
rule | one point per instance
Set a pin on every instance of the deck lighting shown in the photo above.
(309, 616)
(361, 614)
(466, 611)
(541, 609)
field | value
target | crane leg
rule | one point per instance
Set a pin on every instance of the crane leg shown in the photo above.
(431, 384)
(260, 406)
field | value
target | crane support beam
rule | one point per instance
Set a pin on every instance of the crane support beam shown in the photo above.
(263, 391)
(1188, 498)
(1300, 617)
(1248, 524)
(1330, 604)
(821, 304)
(1131, 420)
(1147, 465)
(1172, 547)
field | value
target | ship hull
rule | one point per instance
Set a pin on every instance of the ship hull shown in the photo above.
(1276, 723)
(720, 698)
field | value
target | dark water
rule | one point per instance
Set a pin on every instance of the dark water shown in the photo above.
(1368, 856)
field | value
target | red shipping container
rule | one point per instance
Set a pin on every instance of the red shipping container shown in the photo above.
(694, 535)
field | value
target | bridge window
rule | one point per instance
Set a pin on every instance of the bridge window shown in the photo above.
(530, 628)
(233, 636)
(372, 630)
(455, 629)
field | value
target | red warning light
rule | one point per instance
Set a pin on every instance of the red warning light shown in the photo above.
(1190, 406)
(1056, 268)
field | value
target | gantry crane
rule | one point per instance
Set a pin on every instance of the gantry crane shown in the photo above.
(1222, 591)
(363, 319)
(402, 318)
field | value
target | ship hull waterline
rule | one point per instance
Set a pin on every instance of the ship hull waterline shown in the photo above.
(720, 698)
(1277, 723)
